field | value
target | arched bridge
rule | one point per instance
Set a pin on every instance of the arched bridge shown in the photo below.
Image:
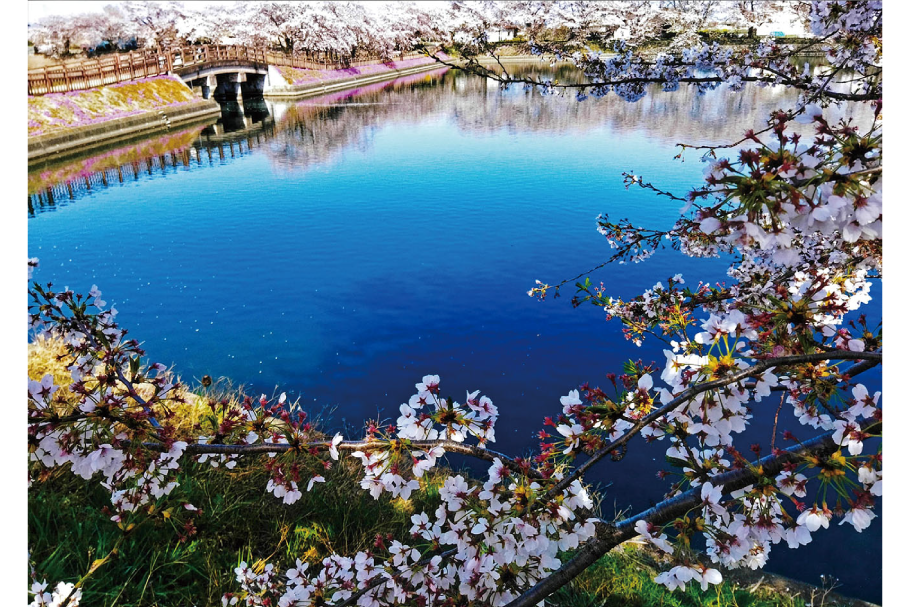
(219, 70)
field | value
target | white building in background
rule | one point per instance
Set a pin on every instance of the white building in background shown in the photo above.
(783, 26)
(786, 22)
(493, 35)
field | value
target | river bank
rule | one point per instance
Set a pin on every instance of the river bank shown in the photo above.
(63, 124)
(302, 83)
(66, 123)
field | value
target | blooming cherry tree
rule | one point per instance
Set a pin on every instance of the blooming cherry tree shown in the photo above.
(795, 206)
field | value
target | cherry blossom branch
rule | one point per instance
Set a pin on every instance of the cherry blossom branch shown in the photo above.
(380, 580)
(790, 116)
(367, 445)
(849, 373)
(644, 235)
(687, 394)
(630, 178)
(135, 396)
(473, 67)
(51, 418)
(783, 399)
(861, 367)
(799, 49)
(611, 535)
(85, 328)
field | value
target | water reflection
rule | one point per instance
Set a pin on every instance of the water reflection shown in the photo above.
(240, 129)
(318, 131)
(241, 114)
(315, 131)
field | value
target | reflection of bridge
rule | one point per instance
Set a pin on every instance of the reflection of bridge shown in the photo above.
(219, 70)
(235, 135)
(214, 145)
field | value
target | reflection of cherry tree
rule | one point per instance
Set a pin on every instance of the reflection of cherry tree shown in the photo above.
(800, 217)
(319, 130)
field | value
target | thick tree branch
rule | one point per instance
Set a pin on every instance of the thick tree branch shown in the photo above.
(611, 535)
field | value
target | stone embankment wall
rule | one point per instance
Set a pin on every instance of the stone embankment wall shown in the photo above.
(61, 123)
(294, 82)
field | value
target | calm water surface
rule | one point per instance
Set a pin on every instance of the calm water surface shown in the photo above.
(341, 248)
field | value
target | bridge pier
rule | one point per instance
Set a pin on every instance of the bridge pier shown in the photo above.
(228, 86)
(234, 87)
(202, 90)
(253, 87)
(204, 86)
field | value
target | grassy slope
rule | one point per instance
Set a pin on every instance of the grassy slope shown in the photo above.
(68, 530)
(56, 111)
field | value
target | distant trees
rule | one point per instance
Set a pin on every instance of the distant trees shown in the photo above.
(56, 35)
(351, 29)
(343, 28)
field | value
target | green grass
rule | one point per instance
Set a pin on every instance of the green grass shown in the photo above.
(625, 578)
(241, 522)
(68, 531)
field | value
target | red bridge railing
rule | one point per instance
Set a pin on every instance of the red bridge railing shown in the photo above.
(122, 67)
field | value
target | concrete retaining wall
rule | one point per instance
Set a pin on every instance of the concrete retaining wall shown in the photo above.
(330, 86)
(80, 139)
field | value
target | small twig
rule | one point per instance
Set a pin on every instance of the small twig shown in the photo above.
(783, 397)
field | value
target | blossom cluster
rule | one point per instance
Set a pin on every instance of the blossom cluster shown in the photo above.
(64, 594)
(481, 543)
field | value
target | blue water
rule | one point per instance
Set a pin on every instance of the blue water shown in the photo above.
(371, 240)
